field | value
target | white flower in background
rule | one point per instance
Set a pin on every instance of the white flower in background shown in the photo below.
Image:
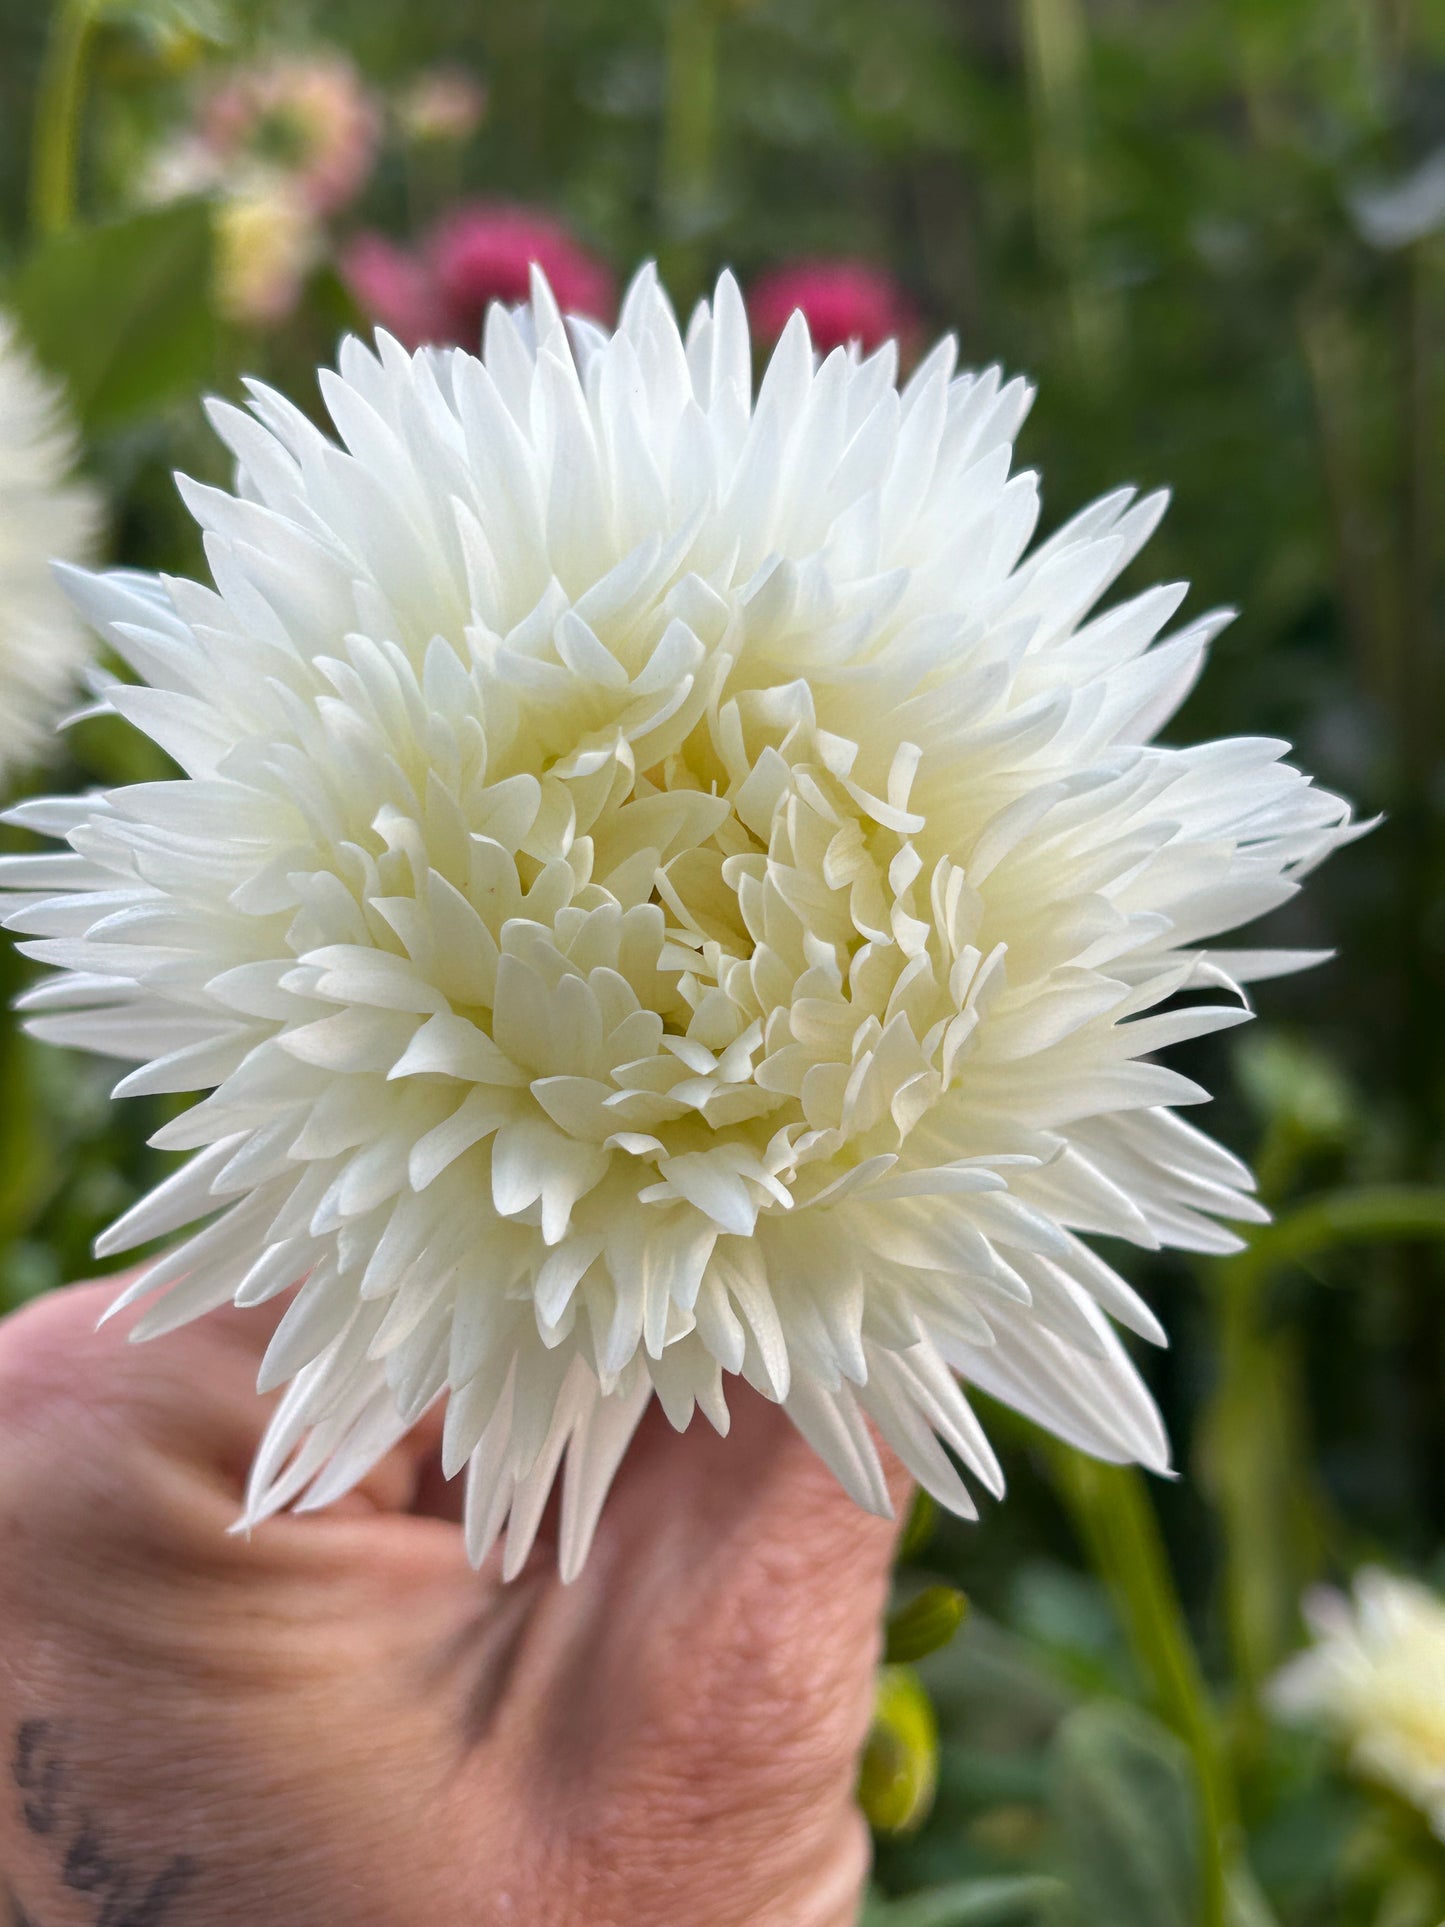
(1375, 1678)
(1397, 214)
(44, 646)
(663, 888)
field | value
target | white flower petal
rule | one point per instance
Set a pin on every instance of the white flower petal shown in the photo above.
(665, 887)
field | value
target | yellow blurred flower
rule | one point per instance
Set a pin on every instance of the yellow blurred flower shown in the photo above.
(267, 241)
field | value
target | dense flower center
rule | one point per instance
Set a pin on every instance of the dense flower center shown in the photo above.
(720, 984)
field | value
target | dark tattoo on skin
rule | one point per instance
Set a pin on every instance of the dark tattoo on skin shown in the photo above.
(39, 1776)
(154, 1905)
(88, 1862)
(88, 1867)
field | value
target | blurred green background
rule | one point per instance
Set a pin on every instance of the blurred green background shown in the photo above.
(1214, 232)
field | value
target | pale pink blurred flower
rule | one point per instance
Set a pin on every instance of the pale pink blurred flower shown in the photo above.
(279, 148)
(842, 301)
(479, 253)
(311, 118)
(444, 104)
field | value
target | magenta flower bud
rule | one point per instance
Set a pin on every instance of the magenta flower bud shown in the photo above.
(484, 252)
(842, 301)
(395, 289)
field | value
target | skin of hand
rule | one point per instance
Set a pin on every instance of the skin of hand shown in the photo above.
(337, 1720)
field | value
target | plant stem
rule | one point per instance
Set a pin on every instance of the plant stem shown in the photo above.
(1373, 1214)
(1056, 58)
(1364, 579)
(689, 140)
(1255, 1463)
(59, 99)
(1110, 1507)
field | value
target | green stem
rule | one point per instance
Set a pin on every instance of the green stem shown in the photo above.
(1254, 1461)
(1112, 1513)
(1373, 1214)
(1056, 59)
(689, 140)
(1364, 579)
(1418, 517)
(59, 100)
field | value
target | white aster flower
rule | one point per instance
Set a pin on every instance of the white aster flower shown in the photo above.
(663, 888)
(44, 646)
(1375, 1678)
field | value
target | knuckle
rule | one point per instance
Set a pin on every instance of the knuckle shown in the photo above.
(49, 1351)
(741, 1866)
(61, 1396)
(753, 1721)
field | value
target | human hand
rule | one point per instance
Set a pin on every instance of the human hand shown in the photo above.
(338, 1724)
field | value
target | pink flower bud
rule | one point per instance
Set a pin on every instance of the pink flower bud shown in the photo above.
(842, 301)
(483, 252)
(395, 289)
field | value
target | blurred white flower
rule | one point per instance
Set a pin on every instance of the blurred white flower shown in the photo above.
(44, 512)
(1375, 1678)
(178, 170)
(1395, 214)
(663, 887)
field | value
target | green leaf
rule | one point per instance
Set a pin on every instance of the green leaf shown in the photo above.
(1293, 1082)
(925, 1625)
(122, 312)
(167, 21)
(1123, 1793)
(968, 1903)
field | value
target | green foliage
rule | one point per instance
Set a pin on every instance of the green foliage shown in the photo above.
(971, 1903)
(1297, 1090)
(168, 23)
(121, 312)
(1122, 1790)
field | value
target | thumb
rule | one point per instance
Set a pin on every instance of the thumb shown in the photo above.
(735, 1598)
